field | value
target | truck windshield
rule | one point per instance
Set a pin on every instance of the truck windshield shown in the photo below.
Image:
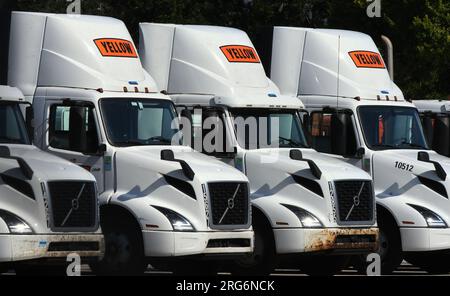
(12, 125)
(265, 128)
(388, 127)
(139, 122)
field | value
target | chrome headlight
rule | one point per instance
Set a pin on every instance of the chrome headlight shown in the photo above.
(179, 223)
(433, 219)
(307, 219)
(15, 224)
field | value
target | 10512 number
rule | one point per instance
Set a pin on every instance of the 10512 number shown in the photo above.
(404, 166)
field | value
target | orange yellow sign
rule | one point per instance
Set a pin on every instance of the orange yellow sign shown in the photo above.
(367, 59)
(110, 47)
(240, 54)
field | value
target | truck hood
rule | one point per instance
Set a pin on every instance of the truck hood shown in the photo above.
(206, 168)
(401, 179)
(410, 157)
(332, 169)
(47, 167)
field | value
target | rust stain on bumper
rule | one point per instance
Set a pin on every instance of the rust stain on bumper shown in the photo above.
(342, 239)
(29, 247)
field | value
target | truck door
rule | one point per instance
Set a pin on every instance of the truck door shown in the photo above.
(73, 134)
(333, 132)
(211, 134)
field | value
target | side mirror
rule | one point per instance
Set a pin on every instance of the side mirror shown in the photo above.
(102, 148)
(360, 153)
(29, 119)
(167, 155)
(423, 156)
(296, 155)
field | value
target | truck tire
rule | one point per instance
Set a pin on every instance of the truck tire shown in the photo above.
(124, 254)
(390, 249)
(324, 265)
(263, 260)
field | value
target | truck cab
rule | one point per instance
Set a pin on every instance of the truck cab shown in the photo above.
(48, 206)
(94, 105)
(302, 202)
(358, 115)
(435, 116)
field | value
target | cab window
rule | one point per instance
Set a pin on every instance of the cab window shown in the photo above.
(73, 128)
(333, 133)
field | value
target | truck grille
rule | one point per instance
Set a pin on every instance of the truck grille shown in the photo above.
(350, 207)
(225, 210)
(74, 204)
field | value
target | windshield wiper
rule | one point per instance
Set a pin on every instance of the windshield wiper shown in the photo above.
(160, 140)
(129, 143)
(387, 146)
(6, 140)
(294, 143)
(413, 145)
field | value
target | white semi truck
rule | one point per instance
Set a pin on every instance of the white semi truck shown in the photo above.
(96, 106)
(358, 115)
(306, 206)
(435, 115)
(48, 206)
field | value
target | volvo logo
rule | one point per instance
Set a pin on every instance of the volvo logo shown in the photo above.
(75, 205)
(356, 202)
(231, 204)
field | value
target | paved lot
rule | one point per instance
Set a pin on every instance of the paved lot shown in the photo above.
(405, 270)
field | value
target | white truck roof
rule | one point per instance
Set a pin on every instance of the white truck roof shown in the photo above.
(208, 60)
(435, 106)
(8, 93)
(76, 51)
(330, 63)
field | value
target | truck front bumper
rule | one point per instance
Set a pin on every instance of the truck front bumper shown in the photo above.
(425, 239)
(31, 247)
(345, 240)
(170, 243)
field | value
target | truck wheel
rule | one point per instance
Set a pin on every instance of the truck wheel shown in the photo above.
(124, 254)
(324, 265)
(390, 249)
(263, 260)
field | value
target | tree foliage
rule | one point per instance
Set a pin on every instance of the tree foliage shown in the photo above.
(419, 29)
